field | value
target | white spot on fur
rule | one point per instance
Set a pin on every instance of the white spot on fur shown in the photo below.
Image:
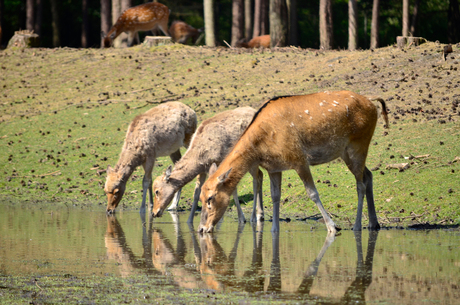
(292, 124)
(347, 109)
(321, 104)
(307, 112)
(335, 102)
(330, 110)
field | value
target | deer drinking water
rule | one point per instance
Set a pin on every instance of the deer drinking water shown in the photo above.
(144, 17)
(210, 144)
(295, 132)
(181, 32)
(161, 131)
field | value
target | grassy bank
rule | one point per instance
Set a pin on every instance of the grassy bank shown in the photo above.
(64, 114)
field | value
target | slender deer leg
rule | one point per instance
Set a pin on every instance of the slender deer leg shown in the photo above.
(373, 221)
(307, 180)
(174, 158)
(257, 209)
(147, 183)
(275, 189)
(241, 218)
(196, 195)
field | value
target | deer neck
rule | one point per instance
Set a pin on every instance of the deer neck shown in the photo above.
(127, 164)
(185, 170)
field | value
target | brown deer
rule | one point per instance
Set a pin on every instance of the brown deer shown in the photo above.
(210, 144)
(294, 132)
(181, 32)
(144, 17)
(161, 131)
(256, 42)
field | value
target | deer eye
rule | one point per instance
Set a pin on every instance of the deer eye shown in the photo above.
(210, 198)
(157, 193)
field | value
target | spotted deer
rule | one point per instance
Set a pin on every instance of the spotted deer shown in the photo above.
(256, 42)
(144, 17)
(296, 132)
(181, 32)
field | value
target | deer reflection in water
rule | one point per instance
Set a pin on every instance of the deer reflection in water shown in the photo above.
(214, 269)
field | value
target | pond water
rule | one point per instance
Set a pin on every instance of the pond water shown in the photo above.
(394, 266)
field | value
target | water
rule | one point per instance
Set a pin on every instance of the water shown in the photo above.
(395, 266)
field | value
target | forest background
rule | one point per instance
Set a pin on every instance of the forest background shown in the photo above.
(77, 23)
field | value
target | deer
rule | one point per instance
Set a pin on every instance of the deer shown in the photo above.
(144, 17)
(296, 132)
(161, 131)
(181, 32)
(256, 42)
(211, 142)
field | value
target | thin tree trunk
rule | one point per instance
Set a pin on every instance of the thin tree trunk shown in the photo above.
(278, 23)
(105, 18)
(248, 19)
(325, 24)
(30, 15)
(84, 24)
(375, 25)
(209, 25)
(237, 21)
(414, 22)
(264, 21)
(55, 23)
(352, 25)
(38, 16)
(453, 22)
(405, 18)
(293, 23)
(257, 18)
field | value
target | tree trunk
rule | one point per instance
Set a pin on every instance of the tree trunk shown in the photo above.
(125, 4)
(237, 21)
(278, 23)
(248, 19)
(84, 24)
(55, 23)
(405, 18)
(209, 25)
(2, 5)
(105, 17)
(30, 15)
(453, 22)
(375, 25)
(293, 23)
(260, 18)
(414, 22)
(325, 24)
(352, 25)
(38, 16)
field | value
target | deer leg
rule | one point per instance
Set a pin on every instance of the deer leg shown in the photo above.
(312, 192)
(275, 189)
(257, 208)
(196, 195)
(147, 184)
(373, 221)
(131, 37)
(241, 218)
(175, 156)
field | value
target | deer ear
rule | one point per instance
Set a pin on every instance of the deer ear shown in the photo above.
(109, 169)
(212, 169)
(168, 173)
(222, 178)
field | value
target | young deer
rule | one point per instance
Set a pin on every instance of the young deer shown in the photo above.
(295, 132)
(161, 131)
(181, 32)
(256, 42)
(211, 142)
(144, 17)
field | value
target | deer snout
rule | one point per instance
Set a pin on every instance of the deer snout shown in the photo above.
(110, 211)
(204, 229)
(157, 213)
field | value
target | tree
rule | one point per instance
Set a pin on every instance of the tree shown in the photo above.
(84, 24)
(375, 24)
(248, 19)
(30, 15)
(405, 18)
(237, 21)
(260, 18)
(55, 23)
(38, 17)
(209, 24)
(352, 25)
(293, 22)
(325, 24)
(415, 15)
(453, 22)
(105, 17)
(278, 19)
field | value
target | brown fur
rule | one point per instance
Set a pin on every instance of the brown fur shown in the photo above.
(256, 42)
(293, 133)
(144, 17)
(181, 32)
(211, 142)
(161, 131)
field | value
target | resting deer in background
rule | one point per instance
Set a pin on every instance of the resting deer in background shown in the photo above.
(144, 17)
(295, 132)
(210, 144)
(181, 32)
(161, 131)
(256, 42)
